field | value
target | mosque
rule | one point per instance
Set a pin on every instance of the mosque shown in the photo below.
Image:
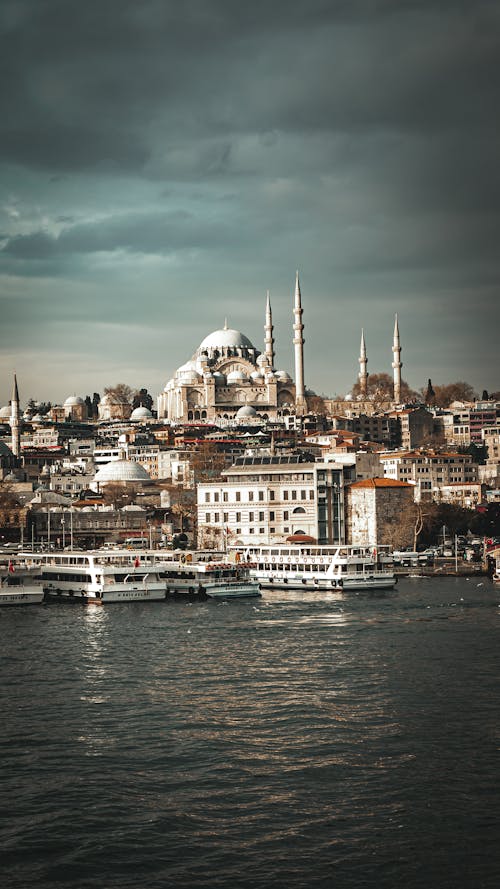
(228, 378)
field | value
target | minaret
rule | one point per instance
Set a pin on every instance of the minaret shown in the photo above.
(396, 364)
(298, 342)
(269, 339)
(14, 420)
(363, 362)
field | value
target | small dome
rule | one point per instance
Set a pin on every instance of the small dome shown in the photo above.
(236, 376)
(257, 376)
(37, 418)
(5, 412)
(246, 411)
(122, 471)
(262, 361)
(141, 413)
(73, 400)
(283, 376)
(226, 338)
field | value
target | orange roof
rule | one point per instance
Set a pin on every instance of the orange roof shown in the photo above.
(380, 483)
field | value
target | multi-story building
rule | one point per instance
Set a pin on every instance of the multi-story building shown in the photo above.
(268, 498)
(428, 471)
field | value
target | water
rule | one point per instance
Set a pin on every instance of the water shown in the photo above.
(336, 741)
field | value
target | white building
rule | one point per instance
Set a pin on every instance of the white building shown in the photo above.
(265, 499)
(228, 373)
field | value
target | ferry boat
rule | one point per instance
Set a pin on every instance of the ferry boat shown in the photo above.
(99, 576)
(199, 575)
(319, 567)
(20, 583)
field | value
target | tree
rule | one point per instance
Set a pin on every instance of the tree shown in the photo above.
(446, 395)
(413, 519)
(316, 404)
(121, 391)
(142, 398)
(184, 506)
(380, 388)
(207, 461)
(119, 495)
(8, 497)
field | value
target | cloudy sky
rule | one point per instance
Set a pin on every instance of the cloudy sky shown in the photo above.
(164, 163)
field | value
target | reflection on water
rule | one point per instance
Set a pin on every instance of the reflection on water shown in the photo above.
(340, 740)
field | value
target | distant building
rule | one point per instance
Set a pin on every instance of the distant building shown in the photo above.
(229, 378)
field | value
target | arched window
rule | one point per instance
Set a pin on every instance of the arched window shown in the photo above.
(297, 510)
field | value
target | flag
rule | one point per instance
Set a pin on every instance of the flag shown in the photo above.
(11, 566)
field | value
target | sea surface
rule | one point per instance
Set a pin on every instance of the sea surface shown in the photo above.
(299, 740)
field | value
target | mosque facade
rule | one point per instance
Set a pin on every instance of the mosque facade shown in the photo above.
(228, 377)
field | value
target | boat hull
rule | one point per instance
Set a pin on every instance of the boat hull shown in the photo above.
(345, 584)
(22, 596)
(117, 594)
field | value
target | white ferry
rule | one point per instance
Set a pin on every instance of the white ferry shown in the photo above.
(319, 567)
(20, 583)
(99, 576)
(199, 575)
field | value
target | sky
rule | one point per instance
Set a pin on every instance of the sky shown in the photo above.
(163, 164)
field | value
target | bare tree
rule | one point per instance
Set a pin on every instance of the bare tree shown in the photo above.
(121, 391)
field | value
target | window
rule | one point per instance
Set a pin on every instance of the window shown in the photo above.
(207, 518)
(207, 497)
(261, 496)
(216, 497)
(237, 496)
(271, 516)
(261, 516)
(224, 496)
(225, 517)
(238, 517)
(250, 516)
(271, 495)
(303, 495)
(285, 515)
(311, 495)
(250, 496)
(261, 530)
(294, 495)
(216, 518)
(285, 495)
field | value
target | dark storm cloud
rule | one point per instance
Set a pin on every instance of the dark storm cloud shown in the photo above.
(206, 148)
(120, 82)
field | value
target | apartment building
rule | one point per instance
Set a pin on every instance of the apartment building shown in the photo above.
(267, 498)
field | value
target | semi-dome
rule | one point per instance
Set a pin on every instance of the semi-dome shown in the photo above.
(246, 411)
(122, 471)
(257, 376)
(219, 378)
(224, 339)
(141, 413)
(283, 376)
(236, 376)
(187, 373)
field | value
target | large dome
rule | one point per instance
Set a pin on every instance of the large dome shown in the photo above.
(224, 339)
(122, 471)
(73, 400)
